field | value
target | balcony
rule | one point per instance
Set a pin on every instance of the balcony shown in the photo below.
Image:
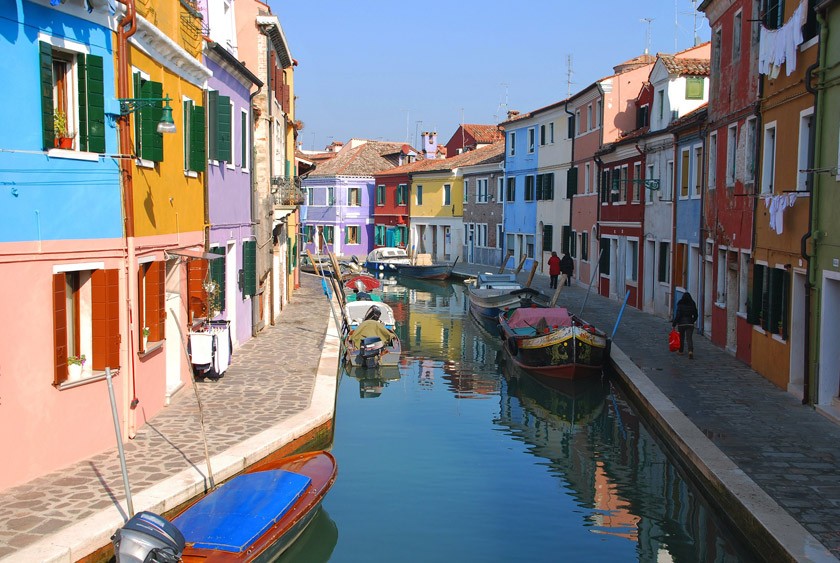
(286, 191)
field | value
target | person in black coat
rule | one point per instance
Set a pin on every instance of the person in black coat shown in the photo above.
(567, 266)
(684, 318)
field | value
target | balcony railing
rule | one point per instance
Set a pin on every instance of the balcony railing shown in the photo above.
(286, 191)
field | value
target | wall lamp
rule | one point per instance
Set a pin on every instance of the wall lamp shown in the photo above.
(131, 105)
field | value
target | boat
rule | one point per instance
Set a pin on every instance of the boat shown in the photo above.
(386, 259)
(491, 294)
(423, 268)
(359, 307)
(255, 516)
(373, 381)
(553, 343)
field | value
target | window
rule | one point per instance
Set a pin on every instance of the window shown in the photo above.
(768, 165)
(632, 264)
(379, 234)
(419, 195)
(806, 121)
(402, 192)
(380, 195)
(694, 88)
(668, 191)
(598, 106)
(623, 183)
(589, 124)
(586, 178)
(511, 189)
(195, 157)
(660, 102)
(72, 92)
(542, 135)
(467, 190)
(481, 190)
(548, 238)
(769, 300)
(512, 144)
(731, 154)
(545, 187)
(310, 196)
(696, 171)
(331, 195)
(329, 234)
(244, 139)
(637, 184)
(217, 301)
(681, 265)
(354, 197)
(220, 125)
(531, 139)
(151, 300)
(750, 149)
(774, 13)
(447, 194)
(577, 121)
(685, 177)
(551, 132)
(529, 188)
(584, 246)
(500, 189)
(712, 160)
(499, 235)
(643, 116)
(86, 312)
(664, 275)
(351, 234)
(736, 36)
(481, 234)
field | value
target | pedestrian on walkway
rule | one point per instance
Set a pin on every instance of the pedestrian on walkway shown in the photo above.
(684, 318)
(567, 266)
(553, 269)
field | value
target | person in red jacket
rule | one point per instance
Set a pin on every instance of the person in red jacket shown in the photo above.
(554, 269)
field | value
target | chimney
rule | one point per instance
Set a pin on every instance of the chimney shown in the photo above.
(430, 144)
(441, 151)
(512, 113)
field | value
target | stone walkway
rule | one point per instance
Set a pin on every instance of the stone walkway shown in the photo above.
(788, 449)
(271, 378)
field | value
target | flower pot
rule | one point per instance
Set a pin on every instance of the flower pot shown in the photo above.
(65, 143)
(74, 372)
(145, 343)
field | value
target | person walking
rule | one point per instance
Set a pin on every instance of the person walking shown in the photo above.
(567, 266)
(684, 318)
(553, 269)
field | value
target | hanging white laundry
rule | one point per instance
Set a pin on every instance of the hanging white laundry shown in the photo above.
(793, 38)
(781, 205)
(778, 46)
(791, 199)
(774, 204)
(201, 348)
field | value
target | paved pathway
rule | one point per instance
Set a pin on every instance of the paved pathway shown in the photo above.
(271, 378)
(789, 450)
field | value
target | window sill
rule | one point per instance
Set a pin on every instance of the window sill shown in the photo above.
(742, 315)
(231, 167)
(808, 44)
(151, 349)
(720, 305)
(190, 174)
(73, 155)
(93, 377)
(142, 163)
(778, 338)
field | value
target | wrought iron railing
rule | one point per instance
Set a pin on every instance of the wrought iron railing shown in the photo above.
(287, 191)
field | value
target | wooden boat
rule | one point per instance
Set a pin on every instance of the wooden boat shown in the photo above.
(551, 342)
(426, 271)
(492, 294)
(386, 259)
(255, 516)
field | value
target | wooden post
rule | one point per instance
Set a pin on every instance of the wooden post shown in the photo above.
(521, 263)
(560, 283)
(315, 264)
(504, 261)
(531, 275)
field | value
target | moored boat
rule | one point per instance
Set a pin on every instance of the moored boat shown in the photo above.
(426, 271)
(386, 259)
(492, 294)
(253, 517)
(551, 342)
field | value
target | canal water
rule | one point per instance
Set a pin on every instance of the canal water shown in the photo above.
(456, 456)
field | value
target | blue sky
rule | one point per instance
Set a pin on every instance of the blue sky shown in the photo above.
(373, 69)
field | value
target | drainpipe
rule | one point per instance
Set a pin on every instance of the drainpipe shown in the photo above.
(254, 195)
(640, 247)
(813, 211)
(572, 162)
(126, 28)
(704, 131)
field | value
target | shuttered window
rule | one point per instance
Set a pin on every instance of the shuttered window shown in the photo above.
(548, 238)
(196, 276)
(604, 265)
(148, 142)
(571, 182)
(220, 122)
(566, 238)
(244, 139)
(195, 156)
(249, 265)
(86, 121)
(769, 302)
(380, 195)
(151, 299)
(217, 276)
(694, 88)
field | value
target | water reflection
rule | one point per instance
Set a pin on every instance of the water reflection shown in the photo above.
(316, 543)
(373, 381)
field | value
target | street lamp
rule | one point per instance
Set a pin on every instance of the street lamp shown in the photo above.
(131, 105)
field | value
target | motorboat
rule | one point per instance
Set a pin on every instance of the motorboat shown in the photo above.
(553, 343)
(255, 516)
(387, 259)
(490, 294)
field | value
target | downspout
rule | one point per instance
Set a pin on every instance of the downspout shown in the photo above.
(254, 195)
(813, 211)
(572, 163)
(704, 131)
(126, 28)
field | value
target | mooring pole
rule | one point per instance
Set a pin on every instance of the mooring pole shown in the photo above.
(128, 500)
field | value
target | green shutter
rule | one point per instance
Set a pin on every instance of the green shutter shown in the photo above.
(249, 264)
(694, 88)
(198, 154)
(91, 104)
(223, 135)
(605, 256)
(138, 137)
(243, 141)
(217, 274)
(213, 124)
(571, 132)
(548, 238)
(565, 237)
(152, 141)
(755, 299)
(571, 182)
(47, 109)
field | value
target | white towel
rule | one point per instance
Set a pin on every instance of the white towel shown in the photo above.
(201, 348)
(222, 350)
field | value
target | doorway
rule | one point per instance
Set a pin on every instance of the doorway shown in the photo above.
(829, 371)
(175, 336)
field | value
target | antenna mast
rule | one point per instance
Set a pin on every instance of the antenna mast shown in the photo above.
(648, 21)
(569, 73)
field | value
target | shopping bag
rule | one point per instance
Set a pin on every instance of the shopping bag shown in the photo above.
(674, 340)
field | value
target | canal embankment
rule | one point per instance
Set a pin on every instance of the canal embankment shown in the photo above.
(769, 463)
(278, 396)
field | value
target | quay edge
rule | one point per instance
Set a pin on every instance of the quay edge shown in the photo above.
(764, 525)
(89, 539)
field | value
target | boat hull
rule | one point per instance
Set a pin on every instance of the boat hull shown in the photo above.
(487, 304)
(320, 467)
(433, 272)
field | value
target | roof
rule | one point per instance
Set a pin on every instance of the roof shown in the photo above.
(483, 134)
(484, 155)
(363, 160)
(691, 117)
(685, 67)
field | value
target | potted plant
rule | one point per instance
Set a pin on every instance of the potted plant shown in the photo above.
(63, 137)
(145, 337)
(75, 364)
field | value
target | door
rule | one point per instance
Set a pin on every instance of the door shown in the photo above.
(175, 334)
(829, 366)
(232, 304)
(797, 333)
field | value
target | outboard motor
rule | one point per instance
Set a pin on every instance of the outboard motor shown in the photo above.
(148, 538)
(370, 349)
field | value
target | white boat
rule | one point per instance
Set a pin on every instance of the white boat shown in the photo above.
(387, 259)
(356, 313)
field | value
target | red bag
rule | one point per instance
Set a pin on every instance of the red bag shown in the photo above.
(674, 340)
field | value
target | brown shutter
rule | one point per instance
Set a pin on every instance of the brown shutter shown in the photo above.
(105, 289)
(196, 274)
(112, 317)
(59, 327)
(161, 300)
(154, 298)
(141, 306)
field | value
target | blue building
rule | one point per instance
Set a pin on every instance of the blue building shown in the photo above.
(520, 205)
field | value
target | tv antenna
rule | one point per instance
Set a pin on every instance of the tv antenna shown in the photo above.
(569, 73)
(648, 21)
(501, 111)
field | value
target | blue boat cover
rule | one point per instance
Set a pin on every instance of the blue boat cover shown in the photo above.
(235, 515)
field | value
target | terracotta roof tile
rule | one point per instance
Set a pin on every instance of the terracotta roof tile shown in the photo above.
(483, 134)
(686, 67)
(363, 160)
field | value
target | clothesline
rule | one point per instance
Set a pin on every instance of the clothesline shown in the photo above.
(777, 46)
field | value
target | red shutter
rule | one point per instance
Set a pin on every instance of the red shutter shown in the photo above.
(59, 327)
(141, 306)
(161, 300)
(112, 319)
(152, 309)
(105, 290)
(196, 274)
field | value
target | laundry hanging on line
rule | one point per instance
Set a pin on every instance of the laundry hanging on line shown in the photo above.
(777, 46)
(776, 206)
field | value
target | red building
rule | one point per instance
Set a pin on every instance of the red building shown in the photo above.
(470, 136)
(733, 129)
(390, 204)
